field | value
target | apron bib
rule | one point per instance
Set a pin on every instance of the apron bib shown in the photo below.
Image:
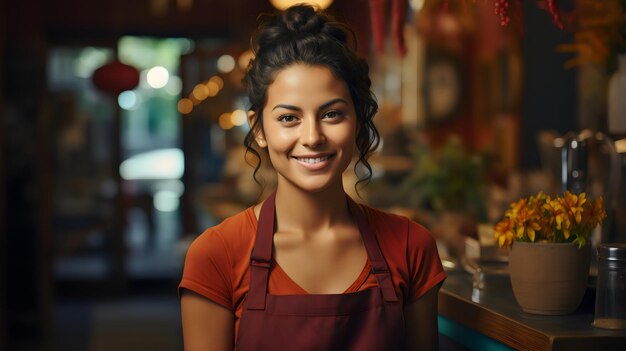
(371, 319)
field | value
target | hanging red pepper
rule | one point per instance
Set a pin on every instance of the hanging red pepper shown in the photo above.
(377, 15)
(398, 14)
(501, 8)
(553, 7)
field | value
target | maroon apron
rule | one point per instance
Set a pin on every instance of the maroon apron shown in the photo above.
(371, 319)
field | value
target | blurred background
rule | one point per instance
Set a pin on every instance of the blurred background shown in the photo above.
(121, 128)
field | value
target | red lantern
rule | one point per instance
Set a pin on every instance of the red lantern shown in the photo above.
(115, 77)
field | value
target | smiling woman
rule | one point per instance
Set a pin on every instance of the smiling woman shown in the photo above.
(270, 277)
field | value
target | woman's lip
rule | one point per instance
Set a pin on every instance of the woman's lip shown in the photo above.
(315, 165)
(314, 155)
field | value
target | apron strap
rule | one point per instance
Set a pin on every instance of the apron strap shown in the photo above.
(261, 255)
(260, 259)
(379, 265)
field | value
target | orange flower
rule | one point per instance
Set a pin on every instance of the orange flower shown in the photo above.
(515, 208)
(597, 211)
(504, 232)
(527, 223)
(574, 204)
(559, 216)
(570, 218)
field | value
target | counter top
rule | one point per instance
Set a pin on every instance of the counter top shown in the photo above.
(493, 312)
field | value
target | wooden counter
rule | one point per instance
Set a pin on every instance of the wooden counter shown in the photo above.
(494, 313)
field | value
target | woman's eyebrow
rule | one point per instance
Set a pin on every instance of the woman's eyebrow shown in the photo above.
(322, 106)
(288, 107)
(332, 102)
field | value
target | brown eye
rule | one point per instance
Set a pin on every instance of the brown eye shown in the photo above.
(287, 119)
(333, 114)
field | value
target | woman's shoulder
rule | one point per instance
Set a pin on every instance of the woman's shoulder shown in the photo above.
(216, 259)
(398, 233)
(233, 233)
(390, 221)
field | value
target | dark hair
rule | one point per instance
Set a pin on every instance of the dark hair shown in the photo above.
(302, 35)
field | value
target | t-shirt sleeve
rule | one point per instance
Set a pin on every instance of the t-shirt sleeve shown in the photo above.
(208, 269)
(425, 266)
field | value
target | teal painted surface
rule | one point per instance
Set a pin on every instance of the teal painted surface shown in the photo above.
(469, 337)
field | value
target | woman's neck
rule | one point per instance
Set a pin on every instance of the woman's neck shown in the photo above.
(310, 213)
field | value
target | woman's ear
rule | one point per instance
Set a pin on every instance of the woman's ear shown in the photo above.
(259, 137)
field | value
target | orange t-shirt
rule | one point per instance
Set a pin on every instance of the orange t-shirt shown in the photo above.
(217, 262)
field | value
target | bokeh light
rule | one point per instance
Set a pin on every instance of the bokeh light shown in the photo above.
(238, 117)
(166, 201)
(213, 88)
(200, 92)
(193, 99)
(620, 146)
(89, 60)
(129, 100)
(217, 80)
(185, 106)
(244, 59)
(417, 5)
(174, 86)
(225, 63)
(283, 4)
(225, 121)
(157, 164)
(186, 45)
(158, 77)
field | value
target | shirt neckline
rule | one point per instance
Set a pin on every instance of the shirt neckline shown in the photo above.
(277, 269)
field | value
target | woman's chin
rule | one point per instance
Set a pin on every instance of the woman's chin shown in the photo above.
(318, 185)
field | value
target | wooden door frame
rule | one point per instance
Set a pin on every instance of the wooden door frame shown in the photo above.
(3, 277)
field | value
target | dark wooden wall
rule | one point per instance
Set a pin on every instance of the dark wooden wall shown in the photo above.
(66, 20)
(3, 233)
(550, 97)
(27, 192)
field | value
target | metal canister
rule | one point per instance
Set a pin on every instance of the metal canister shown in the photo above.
(610, 312)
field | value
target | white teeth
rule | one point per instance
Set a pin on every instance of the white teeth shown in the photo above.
(314, 160)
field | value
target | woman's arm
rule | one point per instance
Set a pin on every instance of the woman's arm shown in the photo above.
(421, 322)
(207, 326)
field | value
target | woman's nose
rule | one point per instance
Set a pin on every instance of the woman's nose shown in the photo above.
(312, 134)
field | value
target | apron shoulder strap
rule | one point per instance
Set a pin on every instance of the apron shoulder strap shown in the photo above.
(379, 265)
(261, 256)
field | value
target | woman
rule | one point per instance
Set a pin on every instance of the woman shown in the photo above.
(309, 269)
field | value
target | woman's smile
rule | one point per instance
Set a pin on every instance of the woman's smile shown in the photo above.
(314, 162)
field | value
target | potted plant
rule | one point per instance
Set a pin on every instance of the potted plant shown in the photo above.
(550, 250)
(450, 185)
(449, 179)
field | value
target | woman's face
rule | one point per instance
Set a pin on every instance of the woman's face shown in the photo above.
(309, 127)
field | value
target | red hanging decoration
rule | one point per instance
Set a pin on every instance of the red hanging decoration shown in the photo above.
(398, 15)
(553, 8)
(377, 16)
(115, 77)
(502, 9)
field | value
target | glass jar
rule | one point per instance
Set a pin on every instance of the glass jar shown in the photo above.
(610, 310)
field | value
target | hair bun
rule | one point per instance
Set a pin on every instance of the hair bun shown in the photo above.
(303, 19)
(292, 25)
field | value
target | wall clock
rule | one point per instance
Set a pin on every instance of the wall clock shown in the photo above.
(443, 88)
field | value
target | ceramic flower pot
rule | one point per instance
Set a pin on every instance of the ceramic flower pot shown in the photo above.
(549, 278)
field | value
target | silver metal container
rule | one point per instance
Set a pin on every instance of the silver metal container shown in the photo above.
(610, 312)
